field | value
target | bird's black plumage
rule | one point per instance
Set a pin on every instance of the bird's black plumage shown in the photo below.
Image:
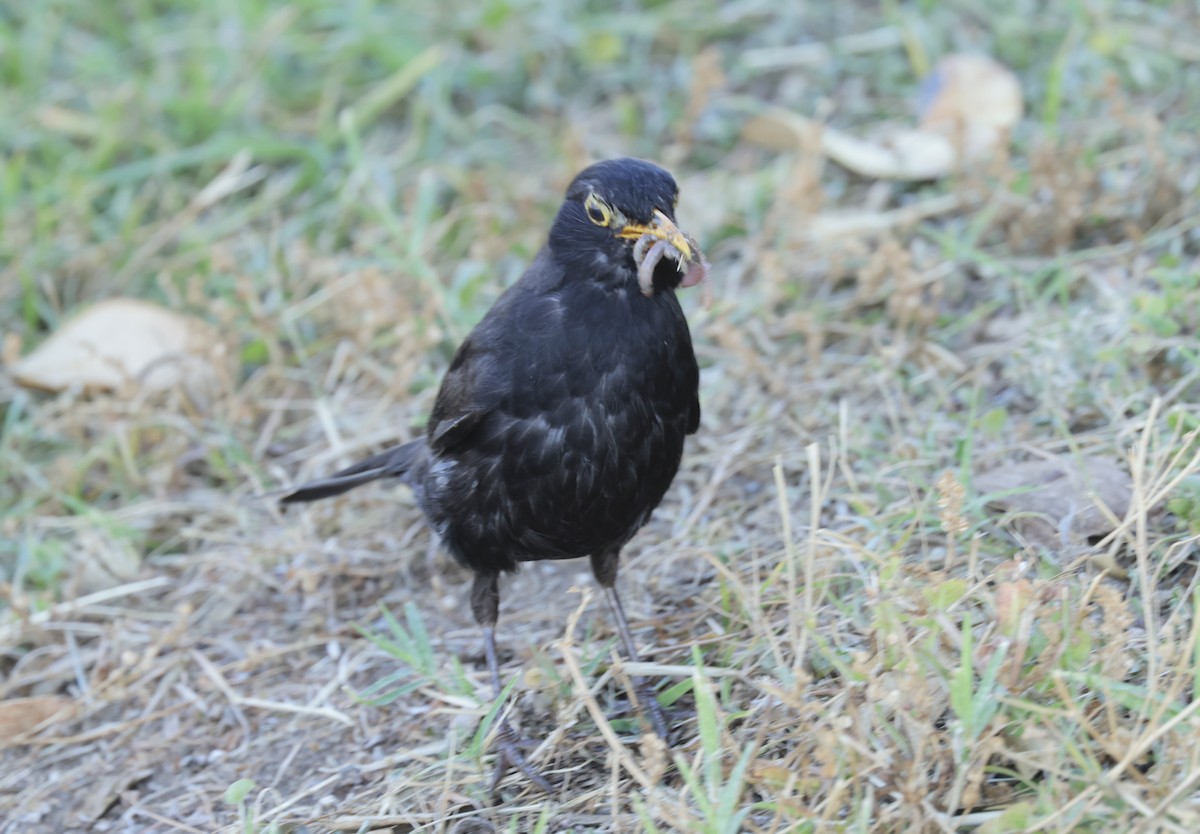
(561, 421)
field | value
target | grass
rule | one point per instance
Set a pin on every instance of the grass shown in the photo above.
(847, 634)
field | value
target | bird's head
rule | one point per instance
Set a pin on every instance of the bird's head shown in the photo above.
(614, 213)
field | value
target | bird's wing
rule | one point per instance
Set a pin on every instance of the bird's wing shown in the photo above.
(479, 380)
(465, 397)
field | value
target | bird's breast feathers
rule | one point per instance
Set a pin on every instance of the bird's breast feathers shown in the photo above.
(585, 436)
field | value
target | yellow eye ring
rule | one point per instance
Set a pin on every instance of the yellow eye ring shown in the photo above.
(597, 211)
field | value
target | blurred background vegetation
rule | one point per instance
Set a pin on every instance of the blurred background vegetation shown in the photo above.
(429, 143)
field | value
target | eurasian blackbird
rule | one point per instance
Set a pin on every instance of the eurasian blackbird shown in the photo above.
(561, 420)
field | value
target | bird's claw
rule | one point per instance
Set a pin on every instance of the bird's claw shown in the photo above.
(510, 756)
(652, 710)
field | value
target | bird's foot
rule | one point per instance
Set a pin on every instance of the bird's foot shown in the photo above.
(510, 756)
(652, 710)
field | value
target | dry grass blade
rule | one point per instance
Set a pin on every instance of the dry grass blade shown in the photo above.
(584, 693)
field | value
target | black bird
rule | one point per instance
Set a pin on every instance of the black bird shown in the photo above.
(561, 420)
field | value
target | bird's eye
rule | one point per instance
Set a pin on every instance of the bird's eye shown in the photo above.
(597, 212)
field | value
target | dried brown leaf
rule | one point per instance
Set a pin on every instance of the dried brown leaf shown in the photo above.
(103, 560)
(107, 789)
(906, 154)
(780, 130)
(125, 344)
(20, 715)
(1059, 497)
(969, 105)
(1012, 598)
(972, 100)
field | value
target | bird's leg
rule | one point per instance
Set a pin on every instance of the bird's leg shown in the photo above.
(604, 567)
(485, 604)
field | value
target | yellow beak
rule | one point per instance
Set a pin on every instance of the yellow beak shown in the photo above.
(662, 228)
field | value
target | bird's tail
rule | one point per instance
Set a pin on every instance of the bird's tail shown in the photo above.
(396, 462)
